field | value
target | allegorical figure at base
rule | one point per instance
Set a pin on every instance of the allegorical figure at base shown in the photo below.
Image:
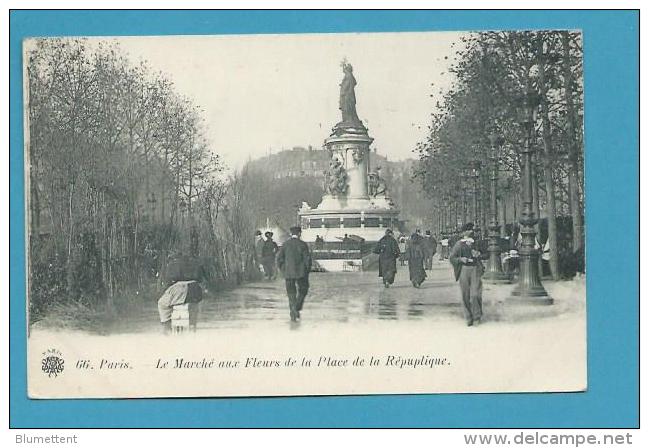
(294, 260)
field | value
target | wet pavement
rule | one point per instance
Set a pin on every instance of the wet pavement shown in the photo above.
(343, 297)
(340, 297)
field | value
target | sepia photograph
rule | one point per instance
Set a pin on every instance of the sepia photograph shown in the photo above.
(305, 214)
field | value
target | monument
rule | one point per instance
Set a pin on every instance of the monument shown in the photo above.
(356, 208)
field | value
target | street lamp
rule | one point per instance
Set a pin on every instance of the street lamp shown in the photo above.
(446, 214)
(464, 176)
(529, 288)
(455, 210)
(475, 166)
(494, 272)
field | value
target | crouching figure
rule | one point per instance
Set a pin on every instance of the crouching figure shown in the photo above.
(178, 305)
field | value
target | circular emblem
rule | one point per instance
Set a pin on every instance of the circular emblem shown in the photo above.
(52, 363)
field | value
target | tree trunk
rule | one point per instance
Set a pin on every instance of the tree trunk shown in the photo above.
(484, 205)
(503, 216)
(104, 247)
(34, 203)
(573, 158)
(70, 244)
(536, 207)
(548, 162)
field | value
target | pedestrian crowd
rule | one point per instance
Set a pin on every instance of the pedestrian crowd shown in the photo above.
(293, 259)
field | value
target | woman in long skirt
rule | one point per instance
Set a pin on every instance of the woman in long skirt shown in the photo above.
(387, 249)
(416, 254)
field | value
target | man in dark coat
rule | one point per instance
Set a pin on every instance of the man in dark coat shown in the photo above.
(430, 243)
(388, 250)
(416, 254)
(268, 252)
(468, 270)
(294, 260)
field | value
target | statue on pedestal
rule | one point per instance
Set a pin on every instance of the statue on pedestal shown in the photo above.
(347, 103)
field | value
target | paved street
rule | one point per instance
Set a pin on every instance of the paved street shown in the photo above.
(516, 348)
(357, 297)
(341, 297)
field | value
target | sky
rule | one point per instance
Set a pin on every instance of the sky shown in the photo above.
(262, 93)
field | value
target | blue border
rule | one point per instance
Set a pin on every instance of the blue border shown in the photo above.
(612, 214)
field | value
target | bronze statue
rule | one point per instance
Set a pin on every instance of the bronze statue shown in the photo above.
(347, 104)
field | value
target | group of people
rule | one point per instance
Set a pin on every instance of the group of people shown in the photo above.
(294, 260)
(464, 256)
(417, 251)
(448, 240)
(265, 252)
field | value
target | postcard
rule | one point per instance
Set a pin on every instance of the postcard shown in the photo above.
(305, 214)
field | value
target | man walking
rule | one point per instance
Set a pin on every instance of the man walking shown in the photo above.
(268, 253)
(388, 250)
(294, 260)
(468, 269)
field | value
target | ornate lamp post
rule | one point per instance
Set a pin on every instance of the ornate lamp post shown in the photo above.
(449, 214)
(475, 174)
(456, 207)
(494, 272)
(443, 208)
(529, 288)
(464, 179)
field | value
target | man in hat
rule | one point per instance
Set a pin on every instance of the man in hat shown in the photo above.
(468, 269)
(268, 252)
(388, 251)
(294, 260)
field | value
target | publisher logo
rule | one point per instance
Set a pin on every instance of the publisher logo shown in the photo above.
(52, 363)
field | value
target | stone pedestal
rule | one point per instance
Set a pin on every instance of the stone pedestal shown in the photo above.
(353, 150)
(363, 219)
(346, 225)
